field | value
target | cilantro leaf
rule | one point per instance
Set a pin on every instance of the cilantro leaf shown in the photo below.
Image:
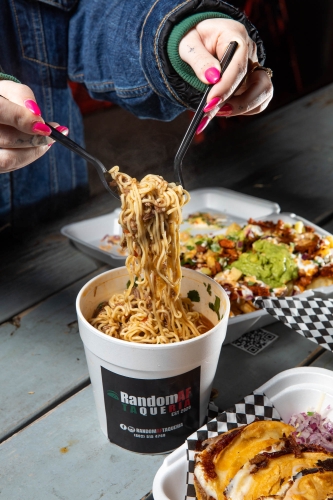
(216, 306)
(215, 247)
(193, 295)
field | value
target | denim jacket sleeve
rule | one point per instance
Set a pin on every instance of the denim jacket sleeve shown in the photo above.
(118, 50)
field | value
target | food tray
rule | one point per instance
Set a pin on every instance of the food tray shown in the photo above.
(86, 235)
(291, 391)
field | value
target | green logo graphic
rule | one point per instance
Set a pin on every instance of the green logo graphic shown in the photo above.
(113, 395)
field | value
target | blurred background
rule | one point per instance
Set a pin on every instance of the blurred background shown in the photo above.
(298, 39)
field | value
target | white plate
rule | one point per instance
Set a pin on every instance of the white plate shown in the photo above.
(291, 391)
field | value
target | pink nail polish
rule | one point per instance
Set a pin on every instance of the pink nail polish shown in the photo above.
(211, 105)
(212, 75)
(202, 125)
(41, 128)
(33, 107)
(226, 110)
(62, 129)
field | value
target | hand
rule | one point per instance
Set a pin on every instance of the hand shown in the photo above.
(23, 133)
(202, 48)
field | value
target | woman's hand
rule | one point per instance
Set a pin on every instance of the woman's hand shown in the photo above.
(23, 133)
(202, 48)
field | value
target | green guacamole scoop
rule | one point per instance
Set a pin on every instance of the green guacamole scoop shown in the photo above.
(271, 263)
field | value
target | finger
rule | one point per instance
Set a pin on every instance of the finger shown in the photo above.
(259, 89)
(16, 92)
(13, 159)
(235, 72)
(11, 138)
(204, 64)
(18, 109)
(259, 109)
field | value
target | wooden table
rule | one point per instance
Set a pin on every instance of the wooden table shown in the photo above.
(52, 447)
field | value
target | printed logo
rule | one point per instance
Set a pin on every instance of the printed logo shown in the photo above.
(158, 414)
(113, 395)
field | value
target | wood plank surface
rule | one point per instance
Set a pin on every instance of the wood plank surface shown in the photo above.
(285, 156)
(42, 359)
(239, 373)
(44, 262)
(64, 455)
(325, 360)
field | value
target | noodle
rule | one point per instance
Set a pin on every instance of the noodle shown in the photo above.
(151, 310)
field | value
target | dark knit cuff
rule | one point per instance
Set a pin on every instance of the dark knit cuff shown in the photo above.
(183, 69)
(4, 76)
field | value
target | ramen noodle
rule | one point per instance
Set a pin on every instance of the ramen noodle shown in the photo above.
(151, 310)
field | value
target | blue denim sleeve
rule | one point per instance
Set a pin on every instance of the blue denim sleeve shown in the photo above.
(107, 44)
(117, 49)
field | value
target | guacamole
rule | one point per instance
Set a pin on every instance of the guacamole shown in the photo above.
(271, 263)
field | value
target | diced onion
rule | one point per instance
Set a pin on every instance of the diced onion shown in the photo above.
(312, 428)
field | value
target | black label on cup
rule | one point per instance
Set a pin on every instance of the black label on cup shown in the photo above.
(151, 416)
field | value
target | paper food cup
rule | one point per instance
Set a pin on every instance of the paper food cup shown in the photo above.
(150, 398)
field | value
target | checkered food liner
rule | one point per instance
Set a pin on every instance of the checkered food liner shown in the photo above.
(252, 407)
(312, 317)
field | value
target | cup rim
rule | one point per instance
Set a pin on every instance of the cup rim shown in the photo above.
(138, 345)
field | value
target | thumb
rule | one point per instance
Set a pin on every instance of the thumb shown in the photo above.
(206, 67)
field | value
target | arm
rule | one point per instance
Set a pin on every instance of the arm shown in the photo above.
(119, 51)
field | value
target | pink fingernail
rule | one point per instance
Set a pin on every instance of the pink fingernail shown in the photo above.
(41, 128)
(62, 129)
(211, 105)
(212, 75)
(202, 125)
(226, 110)
(33, 107)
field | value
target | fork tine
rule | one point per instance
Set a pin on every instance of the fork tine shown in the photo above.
(190, 132)
(103, 173)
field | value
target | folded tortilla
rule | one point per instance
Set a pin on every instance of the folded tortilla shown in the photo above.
(272, 476)
(224, 455)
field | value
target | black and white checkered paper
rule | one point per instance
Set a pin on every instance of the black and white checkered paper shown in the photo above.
(312, 317)
(252, 407)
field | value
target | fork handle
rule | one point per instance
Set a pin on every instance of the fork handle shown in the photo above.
(103, 173)
(225, 61)
(73, 146)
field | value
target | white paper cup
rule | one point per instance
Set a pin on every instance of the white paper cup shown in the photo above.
(149, 398)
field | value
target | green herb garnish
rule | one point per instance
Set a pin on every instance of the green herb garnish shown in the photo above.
(129, 282)
(216, 306)
(215, 247)
(193, 295)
